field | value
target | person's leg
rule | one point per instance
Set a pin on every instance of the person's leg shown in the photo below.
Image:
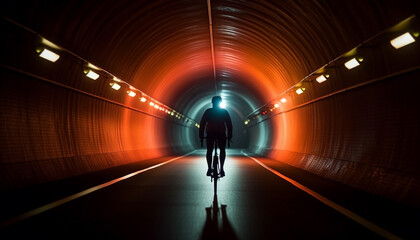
(222, 147)
(210, 146)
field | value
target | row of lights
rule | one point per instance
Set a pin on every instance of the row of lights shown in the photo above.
(398, 42)
(265, 110)
(116, 84)
(144, 99)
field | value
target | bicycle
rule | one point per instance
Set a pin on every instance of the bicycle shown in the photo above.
(215, 175)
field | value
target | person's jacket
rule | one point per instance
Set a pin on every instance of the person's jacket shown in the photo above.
(215, 120)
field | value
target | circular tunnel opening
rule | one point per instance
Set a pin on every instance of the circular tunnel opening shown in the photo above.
(193, 97)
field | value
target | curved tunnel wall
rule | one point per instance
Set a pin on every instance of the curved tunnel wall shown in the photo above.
(361, 126)
(57, 123)
(367, 143)
(65, 133)
(261, 49)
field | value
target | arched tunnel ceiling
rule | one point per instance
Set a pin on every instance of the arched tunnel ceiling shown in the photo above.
(163, 47)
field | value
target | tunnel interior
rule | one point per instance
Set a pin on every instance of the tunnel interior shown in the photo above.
(359, 127)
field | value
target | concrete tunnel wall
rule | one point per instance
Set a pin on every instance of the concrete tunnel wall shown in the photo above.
(57, 123)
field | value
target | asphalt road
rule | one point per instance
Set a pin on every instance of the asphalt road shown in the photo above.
(175, 201)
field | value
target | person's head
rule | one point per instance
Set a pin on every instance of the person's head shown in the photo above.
(216, 100)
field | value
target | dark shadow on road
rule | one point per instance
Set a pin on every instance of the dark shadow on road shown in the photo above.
(217, 224)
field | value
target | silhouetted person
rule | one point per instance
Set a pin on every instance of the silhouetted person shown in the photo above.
(215, 120)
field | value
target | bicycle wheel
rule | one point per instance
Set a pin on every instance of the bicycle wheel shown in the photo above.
(215, 172)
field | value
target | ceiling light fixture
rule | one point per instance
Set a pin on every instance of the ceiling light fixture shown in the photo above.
(47, 54)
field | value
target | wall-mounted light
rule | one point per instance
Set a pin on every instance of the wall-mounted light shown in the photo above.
(246, 122)
(115, 86)
(283, 100)
(152, 104)
(131, 93)
(322, 78)
(352, 63)
(47, 54)
(402, 40)
(143, 99)
(91, 74)
(300, 90)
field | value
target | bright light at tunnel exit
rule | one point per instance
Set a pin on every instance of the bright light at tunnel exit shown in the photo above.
(222, 104)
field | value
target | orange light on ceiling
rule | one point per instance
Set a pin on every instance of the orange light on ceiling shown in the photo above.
(283, 100)
(142, 99)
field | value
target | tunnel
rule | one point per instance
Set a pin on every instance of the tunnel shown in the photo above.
(324, 87)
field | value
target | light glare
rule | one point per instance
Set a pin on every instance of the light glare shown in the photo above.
(402, 40)
(49, 44)
(222, 104)
(49, 55)
(116, 79)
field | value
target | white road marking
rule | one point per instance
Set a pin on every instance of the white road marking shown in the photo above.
(355, 217)
(62, 201)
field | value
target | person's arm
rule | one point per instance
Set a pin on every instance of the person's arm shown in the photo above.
(203, 123)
